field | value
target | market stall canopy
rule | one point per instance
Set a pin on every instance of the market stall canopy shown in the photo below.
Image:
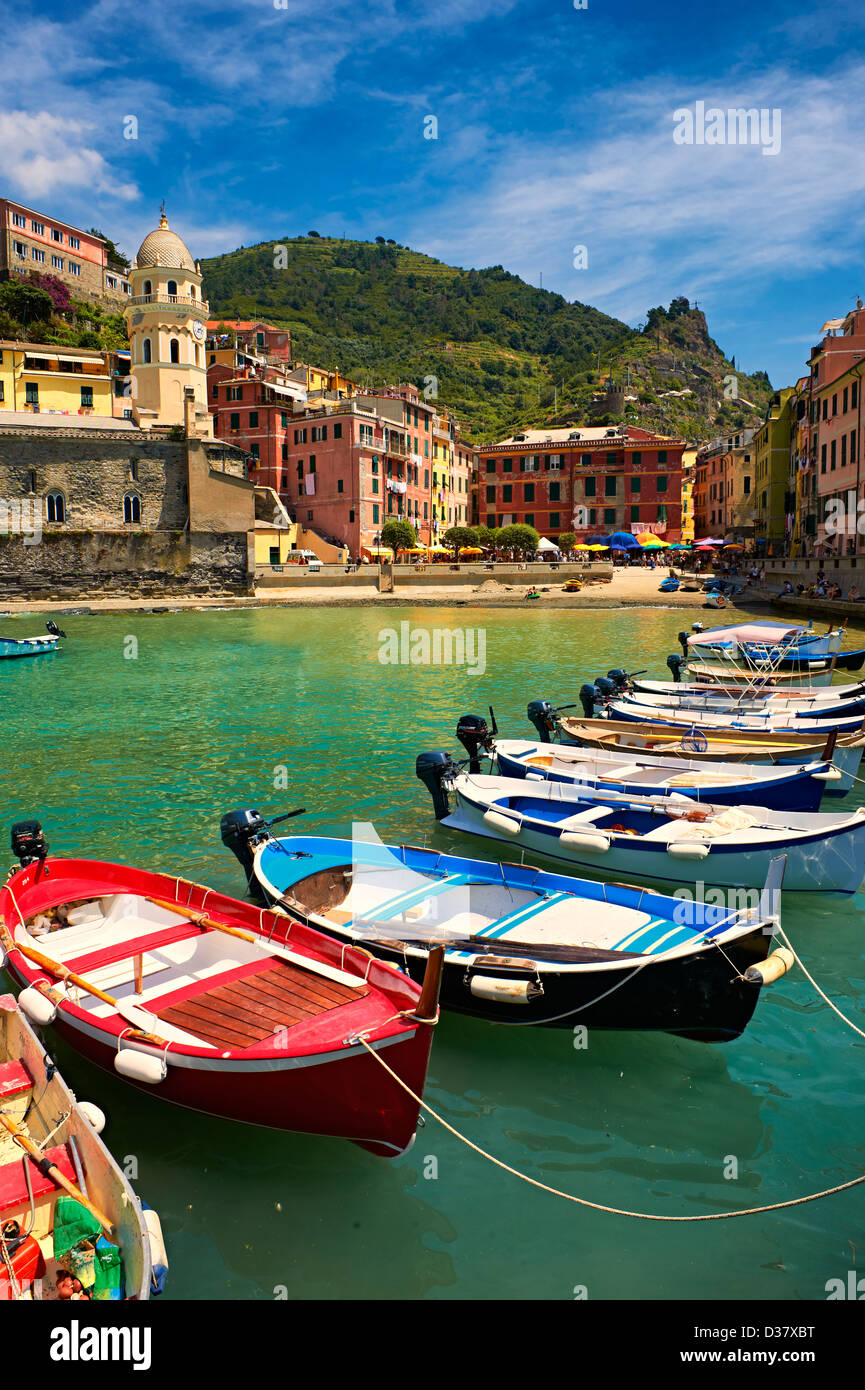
(544, 544)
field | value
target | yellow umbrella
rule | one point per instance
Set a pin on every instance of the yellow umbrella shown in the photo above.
(471, 550)
(439, 550)
(413, 550)
(377, 550)
(597, 547)
(649, 538)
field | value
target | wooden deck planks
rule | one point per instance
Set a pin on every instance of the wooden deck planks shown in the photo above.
(246, 1011)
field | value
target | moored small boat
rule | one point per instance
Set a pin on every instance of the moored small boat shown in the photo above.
(67, 1212)
(789, 720)
(764, 640)
(706, 743)
(214, 1004)
(652, 837)
(32, 646)
(791, 788)
(523, 946)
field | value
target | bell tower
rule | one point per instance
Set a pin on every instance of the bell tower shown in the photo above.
(166, 318)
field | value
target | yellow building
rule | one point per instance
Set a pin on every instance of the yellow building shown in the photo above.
(42, 379)
(689, 462)
(451, 477)
(770, 448)
(166, 317)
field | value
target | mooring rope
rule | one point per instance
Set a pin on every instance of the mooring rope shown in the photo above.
(584, 1201)
(810, 977)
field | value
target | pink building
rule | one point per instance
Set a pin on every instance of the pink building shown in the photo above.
(836, 434)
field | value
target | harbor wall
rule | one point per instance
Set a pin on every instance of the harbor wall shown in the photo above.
(125, 564)
(433, 576)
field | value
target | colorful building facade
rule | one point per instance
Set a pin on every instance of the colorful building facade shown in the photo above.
(590, 481)
(36, 242)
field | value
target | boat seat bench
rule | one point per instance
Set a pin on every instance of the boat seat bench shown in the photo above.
(13, 1183)
(134, 946)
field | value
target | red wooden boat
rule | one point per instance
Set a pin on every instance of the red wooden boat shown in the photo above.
(215, 1004)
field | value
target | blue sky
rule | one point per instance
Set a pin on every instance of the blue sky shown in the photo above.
(555, 130)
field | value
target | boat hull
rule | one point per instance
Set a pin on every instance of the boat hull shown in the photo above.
(693, 994)
(820, 863)
(318, 1079)
(794, 793)
(27, 646)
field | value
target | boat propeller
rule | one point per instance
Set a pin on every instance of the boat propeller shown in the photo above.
(435, 769)
(55, 631)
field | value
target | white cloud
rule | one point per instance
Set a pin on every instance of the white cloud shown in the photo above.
(662, 219)
(42, 154)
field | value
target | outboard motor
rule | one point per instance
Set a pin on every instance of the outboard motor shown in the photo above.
(474, 734)
(619, 678)
(675, 664)
(55, 631)
(696, 627)
(434, 770)
(683, 643)
(605, 690)
(588, 697)
(28, 842)
(241, 832)
(543, 716)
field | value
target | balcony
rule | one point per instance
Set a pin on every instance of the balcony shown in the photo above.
(171, 301)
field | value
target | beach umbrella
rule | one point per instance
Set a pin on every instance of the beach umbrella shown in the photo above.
(622, 540)
(377, 550)
(471, 550)
(594, 547)
(732, 546)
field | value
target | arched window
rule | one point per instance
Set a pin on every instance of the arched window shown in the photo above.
(172, 287)
(198, 356)
(174, 348)
(131, 507)
(147, 351)
(55, 507)
(191, 291)
(147, 287)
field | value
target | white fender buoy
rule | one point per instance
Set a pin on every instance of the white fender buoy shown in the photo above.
(776, 965)
(501, 822)
(585, 839)
(686, 850)
(504, 991)
(37, 1008)
(158, 1256)
(93, 1114)
(832, 774)
(2, 957)
(140, 1066)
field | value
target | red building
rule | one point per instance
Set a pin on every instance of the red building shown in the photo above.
(589, 480)
(257, 414)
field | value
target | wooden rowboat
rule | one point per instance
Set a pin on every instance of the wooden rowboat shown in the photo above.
(51, 1152)
(215, 1004)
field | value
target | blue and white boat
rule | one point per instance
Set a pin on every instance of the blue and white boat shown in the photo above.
(763, 641)
(523, 946)
(772, 721)
(652, 837)
(792, 788)
(782, 704)
(32, 646)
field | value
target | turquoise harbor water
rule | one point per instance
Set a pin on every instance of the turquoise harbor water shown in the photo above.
(136, 759)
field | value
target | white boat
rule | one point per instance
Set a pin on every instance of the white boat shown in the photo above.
(777, 721)
(654, 838)
(759, 688)
(791, 788)
(823, 705)
(66, 1208)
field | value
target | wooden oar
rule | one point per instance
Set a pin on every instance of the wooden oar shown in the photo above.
(317, 967)
(132, 1012)
(21, 1137)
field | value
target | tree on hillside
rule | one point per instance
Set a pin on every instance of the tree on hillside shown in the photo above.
(399, 535)
(115, 256)
(523, 539)
(459, 536)
(25, 302)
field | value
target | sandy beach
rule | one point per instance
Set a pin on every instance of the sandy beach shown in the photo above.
(629, 587)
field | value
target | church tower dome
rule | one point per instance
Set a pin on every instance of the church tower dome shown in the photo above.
(166, 318)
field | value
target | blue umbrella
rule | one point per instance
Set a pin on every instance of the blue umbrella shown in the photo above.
(622, 540)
